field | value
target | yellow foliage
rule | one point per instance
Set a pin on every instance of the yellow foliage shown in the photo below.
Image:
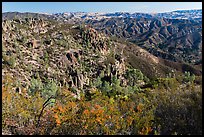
(139, 108)
(58, 121)
(145, 131)
(86, 112)
(84, 117)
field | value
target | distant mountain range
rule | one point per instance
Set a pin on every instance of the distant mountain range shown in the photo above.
(180, 14)
(173, 39)
(183, 14)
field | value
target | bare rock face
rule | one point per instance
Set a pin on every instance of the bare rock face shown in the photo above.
(70, 56)
(4, 25)
(73, 56)
(64, 62)
(35, 43)
(120, 67)
(80, 81)
(6, 132)
(98, 42)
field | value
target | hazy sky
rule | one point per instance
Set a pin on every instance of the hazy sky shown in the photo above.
(54, 7)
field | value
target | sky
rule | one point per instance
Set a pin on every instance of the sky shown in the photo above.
(57, 7)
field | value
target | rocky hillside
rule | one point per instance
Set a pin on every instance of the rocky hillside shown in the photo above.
(73, 55)
(45, 50)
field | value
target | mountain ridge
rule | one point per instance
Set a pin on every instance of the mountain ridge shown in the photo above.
(178, 14)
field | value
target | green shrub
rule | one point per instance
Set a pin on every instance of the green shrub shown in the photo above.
(49, 89)
(133, 75)
(35, 86)
(12, 62)
(106, 88)
(188, 77)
